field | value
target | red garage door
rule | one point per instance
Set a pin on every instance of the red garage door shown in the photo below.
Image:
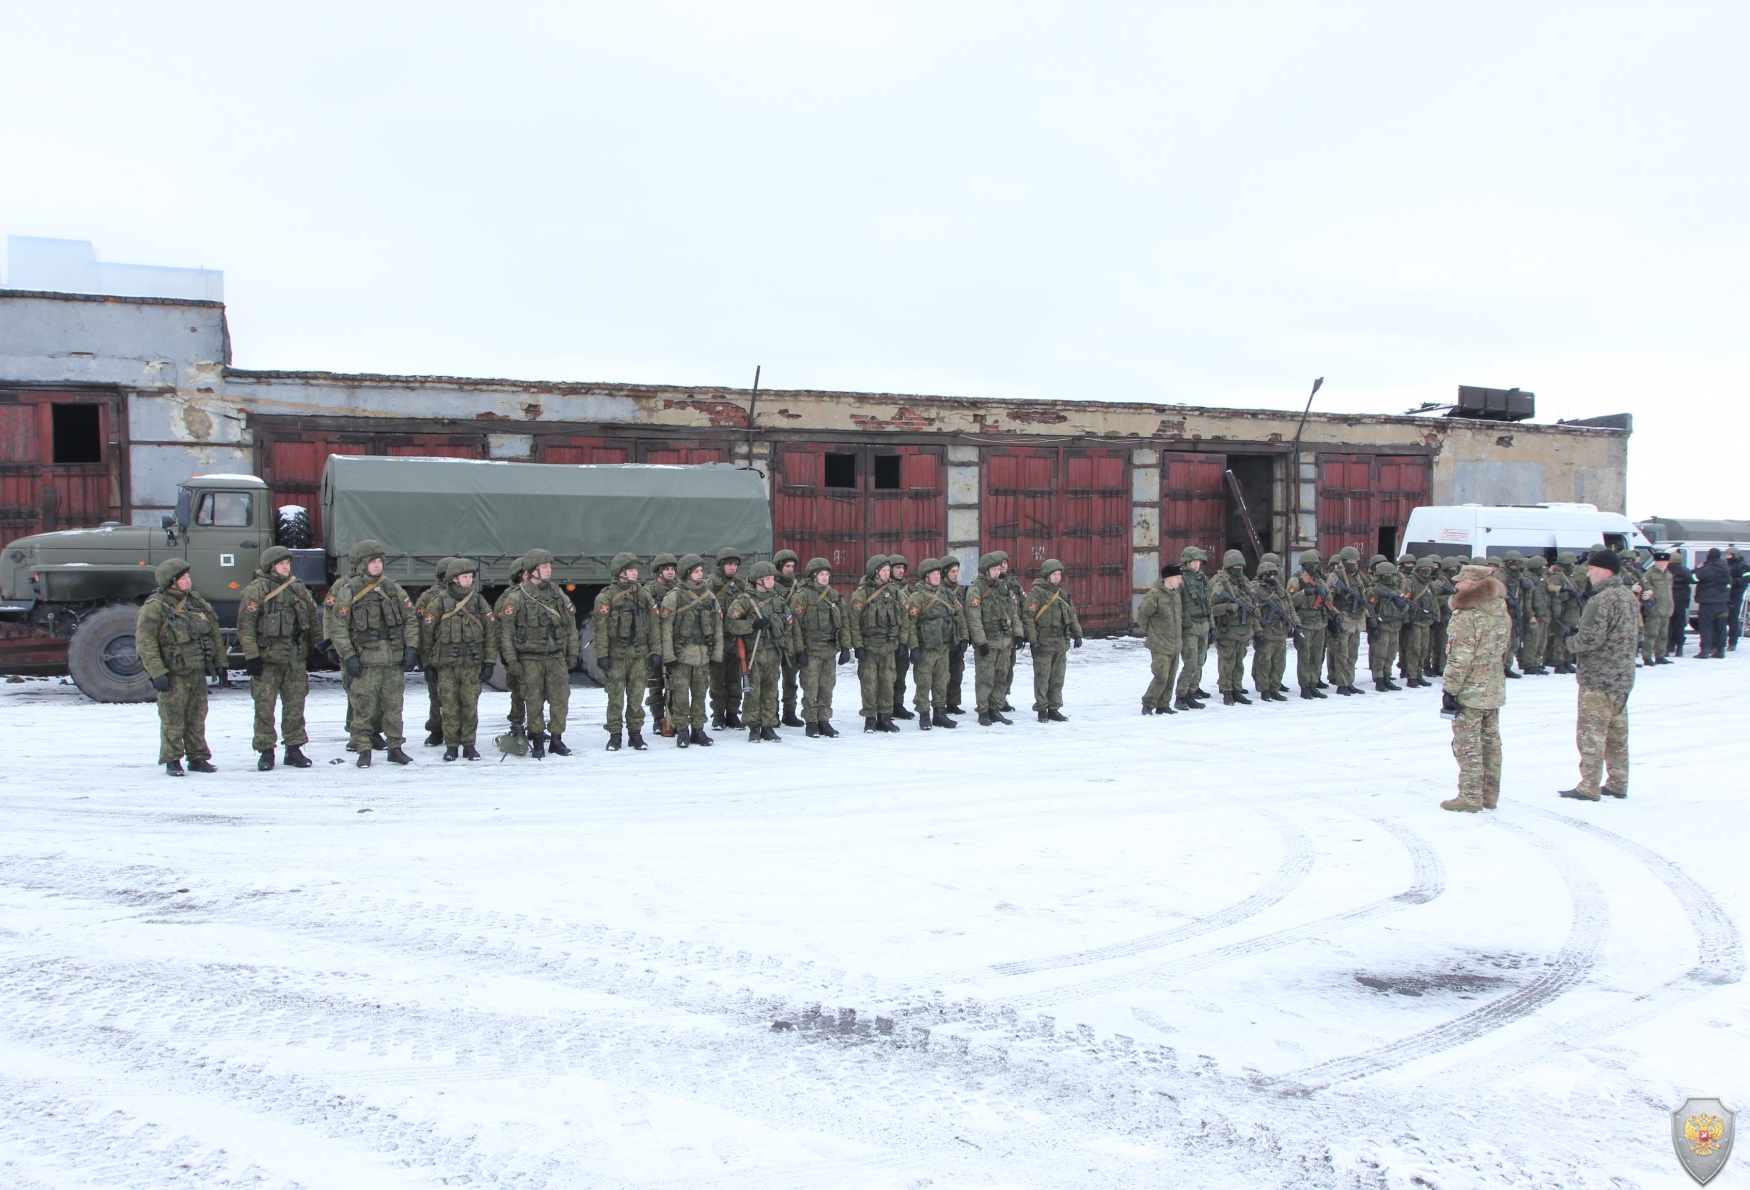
(845, 503)
(60, 463)
(1193, 504)
(1365, 501)
(1073, 505)
(584, 448)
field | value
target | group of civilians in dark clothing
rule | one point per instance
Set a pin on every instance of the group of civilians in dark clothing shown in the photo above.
(1719, 584)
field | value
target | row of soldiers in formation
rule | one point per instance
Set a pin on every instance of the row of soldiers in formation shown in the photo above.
(672, 643)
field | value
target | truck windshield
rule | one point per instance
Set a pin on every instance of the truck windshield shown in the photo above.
(224, 510)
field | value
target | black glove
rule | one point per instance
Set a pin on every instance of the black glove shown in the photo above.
(1034, 649)
(653, 663)
(431, 675)
(1019, 641)
(515, 670)
(486, 668)
(1077, 641)
(333, 657)
(410, 658)
(1449, 706)
(984, 650)
(162, 682)
(604, 659)
(354, 668)
(801, 659)
(961, 647)
(900, 653)
(844, 656)
(917, 658)
(761, 624)
(860, 652)
(252, 666)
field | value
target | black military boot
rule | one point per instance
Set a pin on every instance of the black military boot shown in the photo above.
(296, 758)
(519, 730)
(434, 739)
(790, 719)
(869, 724)
(1227, 700)
(924, 722)
(1147, 710)
(1165, 710)
(1307, 692)
(378, 743)
(940, 719)
(614, 742)
(1183, 702)
(753, 735)
(1510, 671)
(701, 739)
(265, 764)
(998, 717)
(556, 746)
(201, 766)
(732, 720)
(364, 761)
(955, 710)
(1324, 685)
(1056, 716)
(984, 719)
(538, 745)
(397, 756)
(885, 723)
(813, 731)
(902, 713)
(635, 740)
(451, 753)
(717, 721)
(1200, 692)
(469, 752)
(682, 737)
(1240, 697)
(827, 730)
(1044, 717)
(1005, 706)
(174, 769)
(770, 736)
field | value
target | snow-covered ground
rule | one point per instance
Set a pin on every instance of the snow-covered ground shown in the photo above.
(1240, 948)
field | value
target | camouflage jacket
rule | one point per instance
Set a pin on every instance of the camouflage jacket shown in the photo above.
(990, 618)
(1232, 607)
(276, 619)
(1312, 603)
(1194, 598)
(456, 627)
(1609, 639)
(692, 625)
(877, 615)
(626, 624)
(820, 618)
(371, 618)
(177, 633)
(1475, 642)
(1159, 618)
(933, 619)
(1048, 617)
(775, 639)
(1658, 598)
(537, 620)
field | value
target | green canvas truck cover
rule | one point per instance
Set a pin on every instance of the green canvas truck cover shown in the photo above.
(583, 514)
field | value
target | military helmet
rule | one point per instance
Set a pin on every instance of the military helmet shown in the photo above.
(535, 559)
(760, 570)
(621, 563)
(1385, 566)
(897, 560)
(362, 552)
(1453, 563)
(1349, 554)
(728, 554)
(169, 571)
(1232, 558)
(1193, 553)
(1515, 556)
(461, 566)
(1269, 565)
(688, 564)
(1376, 560)
(783, 556)
(930, 564)
(442, 570)
(1537, 562)
(273, 555)
(661, 560)
(949, 562)
(1566, 558)
(519, 568)
(1273, 558)
(986, 561)
(1001, 556)
(875, 563)
(816, 565)
(1310, 558)
(1049, 566)
(1427, 562)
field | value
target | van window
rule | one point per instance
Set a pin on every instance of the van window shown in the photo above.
(1616, 541)
(225, 510)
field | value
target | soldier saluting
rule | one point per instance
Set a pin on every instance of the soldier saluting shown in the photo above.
(376, 636)
(177, 637)
(276, 621)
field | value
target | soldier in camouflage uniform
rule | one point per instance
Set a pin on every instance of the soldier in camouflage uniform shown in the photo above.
(1277, 623)
(1347, 589)
(1194, 625)
(518, 708)
(760, 620)
(789, 579)
(1406, 579)
(537, 633)
(1445, 587)
(1606, 645)
(991, 624)
(823, 635)
(692, 640)
(1012, 590)
(434, 719)
(1420, 618)
(664, 578)
(1387, 608)
(276, 622)
(458, 638)
(726, 583)
(179, 643)
(1312, 606)
(1235, 615)
(1512, 576)
(1474, 687)
(934, 626)
(957, 655)
(877, 613)
(1565, 608)
(904, 583)
(1657, 605)
(1535, 622)
(1048, 618)
(1162, 630)
(376, 636)
(628, 647)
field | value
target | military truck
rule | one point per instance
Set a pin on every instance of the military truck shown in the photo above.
(85, 586)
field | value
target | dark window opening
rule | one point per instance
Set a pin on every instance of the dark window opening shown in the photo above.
(1388, 541)
(887, 473)
(841, 471)
(78, 434)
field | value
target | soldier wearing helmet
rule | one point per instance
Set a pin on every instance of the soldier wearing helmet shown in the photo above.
(789, 580)
(276, 624)
(376, 637)
(1194, 624)
(518, 708)
(458, 637)
(538, 631)
(726, 583)
(692, 640)
(1311, 602)
(434, 719)
(179, 643)
(1346, 586)
(658, 583)
(991, 625)
(628, 647)
(933, 625)
(823, 642)
(1048, 618)
(877, 614)
(759, 621)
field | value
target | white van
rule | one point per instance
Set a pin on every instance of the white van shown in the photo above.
(1477, 530)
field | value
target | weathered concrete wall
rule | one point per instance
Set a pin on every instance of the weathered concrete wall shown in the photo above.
(138, 343)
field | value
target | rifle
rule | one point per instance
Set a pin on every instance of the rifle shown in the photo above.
(1401, 602)
(1356, 603)
(1216, 596)
(666, 724)
(747, 661)
(1293, 622)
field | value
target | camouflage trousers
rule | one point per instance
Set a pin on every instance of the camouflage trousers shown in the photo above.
(819, 678)
(1476, 745)
(1008, 676)
(289, 685)
(1163, 665)
(623, 680)
(1556, 651)
(1230, 663)
(434, 719)
(374, 704)
(1655, 638)
(726, 685)
(546, 692)
(182, 719)
(1382, 649)
(1437, 646)
(518, 706)
(458, 693)
(1415, 649)
(1309, 655)
(759, 704)
(375, 726)
(789, 679)
(1512, 652)
(1532, 645)
(1342, 651)
(875, 675)
(901, 664)
(930, 677)
(1601, 730)
(687, 686)
(1193, 648)
(956, 672)
(1269, 662)
(991, 675)
(1049, 665)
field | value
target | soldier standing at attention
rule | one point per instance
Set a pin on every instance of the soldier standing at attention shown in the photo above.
(434, 719)
(1537, 609)
(933, 626)
(876, 615)
(692, 639)
(376, 636)
(726, 670)
(458, 638)
(1474, 687)
(821, 632)
(760, 616)
(518, 709)
(276, 621)
(178, 641)
(663, 580)
(1682, 591)
(1307, 597)
(1385, 608)
(789, 579)
(904, 583)
(1048, 618)
(1512, 576)
(1011, 589)
(1347, 594)
(1420, 619)
(1276, 624)
(627, 647)
(537, 634)
(991, 627)
(1158, 617)
(1194, 624)
(956, 655)
(1445, 587)
(1606, 644)
(1236, 622)
(1658, 603)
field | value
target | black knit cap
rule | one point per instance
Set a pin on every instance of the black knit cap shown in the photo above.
(1169, 570)
(1605, 560)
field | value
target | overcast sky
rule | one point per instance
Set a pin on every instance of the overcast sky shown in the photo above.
(1195, 203)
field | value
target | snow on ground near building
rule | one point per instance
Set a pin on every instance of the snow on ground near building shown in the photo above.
(1237, 948)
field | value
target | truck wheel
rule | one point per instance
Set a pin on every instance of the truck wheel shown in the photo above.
(102, 659)
(292, 528)
(586, 662)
